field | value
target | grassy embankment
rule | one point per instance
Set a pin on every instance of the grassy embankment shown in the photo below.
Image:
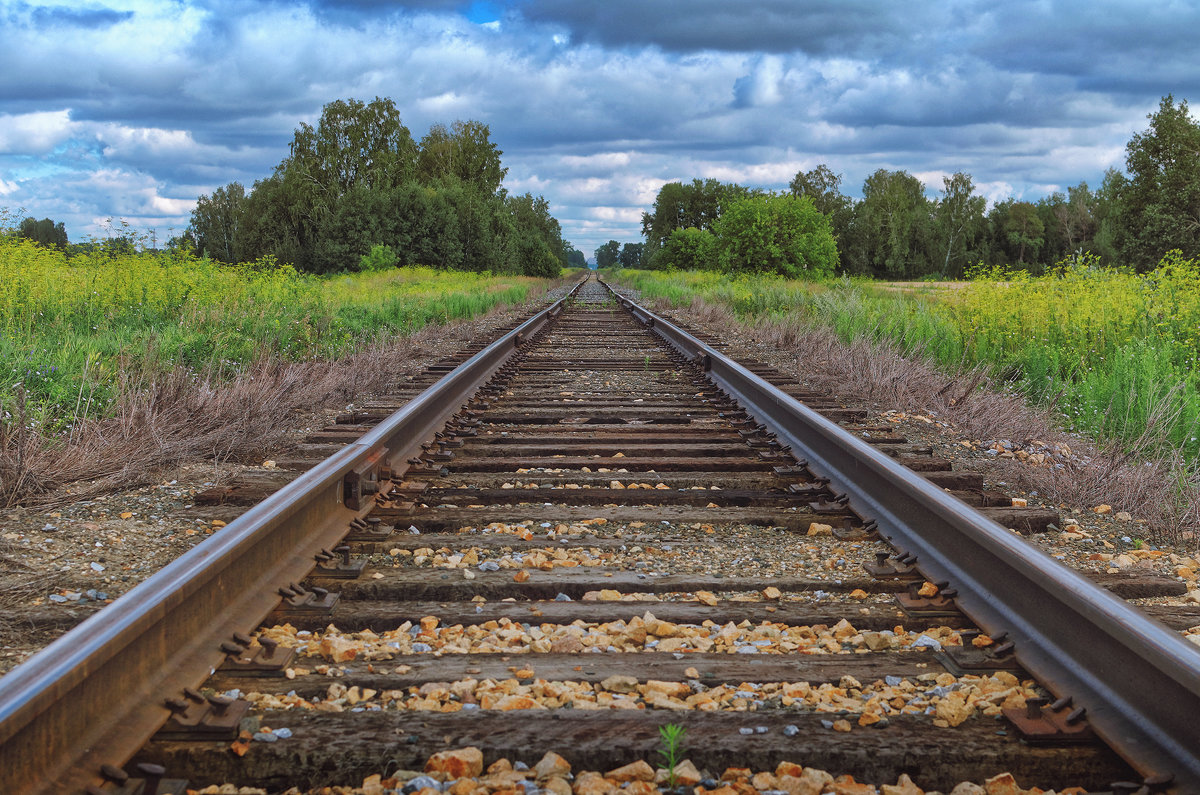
(1109, 349)
(74, 331)
(115, 366)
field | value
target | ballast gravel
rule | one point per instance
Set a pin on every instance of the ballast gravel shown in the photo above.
(460, 771)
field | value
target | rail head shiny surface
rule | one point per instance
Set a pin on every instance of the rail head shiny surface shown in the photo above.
(95, 694)
(1138, 680)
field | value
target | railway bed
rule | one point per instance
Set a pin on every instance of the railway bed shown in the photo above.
(593, 528)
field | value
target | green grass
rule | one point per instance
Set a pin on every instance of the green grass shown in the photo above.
(1107, 347)
(71, 329)
(747, 296)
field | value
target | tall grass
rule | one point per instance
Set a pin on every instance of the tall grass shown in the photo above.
(72, 329)
(1111, 350)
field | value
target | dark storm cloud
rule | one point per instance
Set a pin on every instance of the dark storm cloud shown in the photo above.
(1078, 39)
(391, 5)
(824, 27)
(959, 96)
(66, 17)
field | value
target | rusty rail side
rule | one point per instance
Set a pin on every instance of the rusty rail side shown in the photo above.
(1138, 681)
(96, 694)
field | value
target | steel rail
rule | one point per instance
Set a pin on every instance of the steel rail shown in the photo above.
(1138, 681)
(96, 694)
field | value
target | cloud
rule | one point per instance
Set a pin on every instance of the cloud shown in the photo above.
(596, 161)
(994, 192)
(373, 6)
(762, 86)
(621, 215)
(818, 27)
(88, 200)
(65, 16)
(594, 105)
(36, 133)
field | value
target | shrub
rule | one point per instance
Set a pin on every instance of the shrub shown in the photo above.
(779, 234)
(380, 258)
(688, 249)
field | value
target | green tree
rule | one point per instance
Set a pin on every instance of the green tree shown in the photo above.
(1106, 210)
(958, 216)
(45, 232)
(475, 213)
(575, 257)
(688, 249)
(465, 152)
(417, 223)
(356, 181)
(855, 241)
(216, 223)
(354, 145)
(426, 227)
(504, 232)
(362, 219)
(1054, 238)
(379, 258)
(775, 234)
(1160, 204)
(894, 222)
(1024, 229)
(1076, 218)
(273, 224)
(534, 257)
(823, 186)
(698, 203)
(608, 254)
(536, 241)
(631, 255)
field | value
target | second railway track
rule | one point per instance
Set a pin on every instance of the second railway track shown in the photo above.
(611, 535)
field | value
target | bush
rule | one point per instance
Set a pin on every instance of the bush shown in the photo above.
(778, 234)
(380, 258)
(535, 258)
(688, 249)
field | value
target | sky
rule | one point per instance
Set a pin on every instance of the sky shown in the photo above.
(131, 109)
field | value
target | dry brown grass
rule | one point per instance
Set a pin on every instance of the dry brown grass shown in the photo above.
(177, 417)
(1137, 477)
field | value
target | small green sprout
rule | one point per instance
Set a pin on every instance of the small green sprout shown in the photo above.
(671, 736)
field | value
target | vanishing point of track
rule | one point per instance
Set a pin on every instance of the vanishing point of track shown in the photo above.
(549, 527)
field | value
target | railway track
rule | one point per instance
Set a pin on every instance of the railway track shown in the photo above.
(597, 527)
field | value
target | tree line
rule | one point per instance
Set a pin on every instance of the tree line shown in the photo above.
(356, 191)
(45, 231)
(122, 238)
(897, 231)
